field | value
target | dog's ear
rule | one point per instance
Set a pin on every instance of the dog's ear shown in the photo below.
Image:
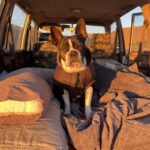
(81, 29)
(56, 35)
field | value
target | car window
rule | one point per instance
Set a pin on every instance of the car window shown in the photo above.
(113, 30)
(137, 31)
(17, 22)
(126, 24)
(32, 33)
(2, 2)
(91, 29)
(31, 36)
(137, 34)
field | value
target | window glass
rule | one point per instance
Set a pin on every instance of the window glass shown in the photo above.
(126, 24)
(113, 29)
(18, 21)
(140, 44)
(95, 40)
(28, 42)
(32, 33)
(114, 37)
(91, 29)
(2, 2)
(93, 35)
(31, 36)
(137, 32)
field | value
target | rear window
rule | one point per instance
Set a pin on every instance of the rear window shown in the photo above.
(91, 29)
(18, 20)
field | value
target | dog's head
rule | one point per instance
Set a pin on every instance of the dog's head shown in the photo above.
(72, 52)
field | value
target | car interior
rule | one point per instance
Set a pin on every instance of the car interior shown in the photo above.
(28, 57)
(108, 43)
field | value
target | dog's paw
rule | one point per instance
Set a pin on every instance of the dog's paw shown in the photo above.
(88, 113)
(83, 125)
(67, 113)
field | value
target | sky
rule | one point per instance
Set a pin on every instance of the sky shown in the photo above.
(126, 19)
(18, 16)
(19, 19)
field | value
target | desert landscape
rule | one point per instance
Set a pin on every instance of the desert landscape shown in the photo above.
(137, 33)
(137, 37)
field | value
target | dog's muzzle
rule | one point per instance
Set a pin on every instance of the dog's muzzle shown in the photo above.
(73, 58)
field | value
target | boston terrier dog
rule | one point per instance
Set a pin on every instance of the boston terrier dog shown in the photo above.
(74, 74)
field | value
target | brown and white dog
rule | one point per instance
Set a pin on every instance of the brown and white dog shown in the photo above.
(74, 74)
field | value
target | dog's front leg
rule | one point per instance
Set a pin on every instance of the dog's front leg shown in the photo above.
(88, 98)
(67, 103)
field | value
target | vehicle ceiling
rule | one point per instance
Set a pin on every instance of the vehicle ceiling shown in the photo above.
(94, 11)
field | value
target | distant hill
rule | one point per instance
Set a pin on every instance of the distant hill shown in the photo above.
(137, 36)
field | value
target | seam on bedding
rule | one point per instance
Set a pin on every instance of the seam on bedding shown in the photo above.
(24, 147)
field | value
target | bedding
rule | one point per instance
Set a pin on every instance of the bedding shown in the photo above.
(44, 134)
(45, 73)
(24, 96)
(123, 119)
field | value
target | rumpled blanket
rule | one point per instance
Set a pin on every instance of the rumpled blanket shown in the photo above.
(122, 122)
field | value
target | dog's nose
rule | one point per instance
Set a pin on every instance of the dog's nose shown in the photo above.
(73, 53)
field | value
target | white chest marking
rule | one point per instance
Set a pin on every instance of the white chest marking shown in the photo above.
(70, 45)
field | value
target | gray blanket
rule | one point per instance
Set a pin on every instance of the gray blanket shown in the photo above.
(123, 120)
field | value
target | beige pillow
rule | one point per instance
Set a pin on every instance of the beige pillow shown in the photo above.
(23, 98)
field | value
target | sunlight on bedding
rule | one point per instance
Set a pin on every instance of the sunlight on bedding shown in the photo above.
(20, 107)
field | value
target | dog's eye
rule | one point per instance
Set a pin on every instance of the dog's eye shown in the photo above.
(65, 46)
(78, 46)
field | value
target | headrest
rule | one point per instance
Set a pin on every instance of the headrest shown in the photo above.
(45, 37)
(102, 38)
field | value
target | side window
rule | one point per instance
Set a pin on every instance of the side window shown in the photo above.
(137, 30)
(17, 21)
(31, 36)
(113, 32)
(139, 42)
(2, 3)
(126, 24)
(32, 33)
